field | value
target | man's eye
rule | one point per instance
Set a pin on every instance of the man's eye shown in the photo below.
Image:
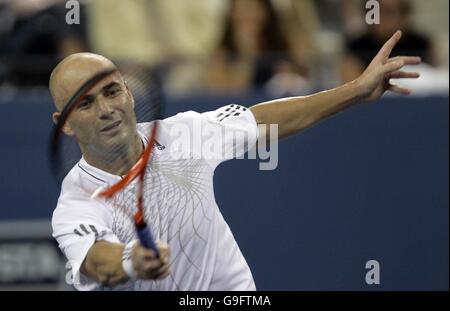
(83, 104)
(112, 92)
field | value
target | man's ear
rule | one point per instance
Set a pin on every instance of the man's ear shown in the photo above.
(66, 128)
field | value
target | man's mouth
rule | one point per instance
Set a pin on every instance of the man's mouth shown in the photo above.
(111, 126)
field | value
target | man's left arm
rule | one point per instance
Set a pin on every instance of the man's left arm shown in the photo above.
(295, 114)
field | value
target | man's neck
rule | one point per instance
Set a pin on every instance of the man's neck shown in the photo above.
(120, 164)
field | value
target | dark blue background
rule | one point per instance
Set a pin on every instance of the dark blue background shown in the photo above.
(369, 183)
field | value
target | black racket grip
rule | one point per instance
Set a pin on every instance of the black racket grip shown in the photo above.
(146, 238)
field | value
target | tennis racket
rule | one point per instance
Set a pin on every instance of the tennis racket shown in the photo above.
(65, 153)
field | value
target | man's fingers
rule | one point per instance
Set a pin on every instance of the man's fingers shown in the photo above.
(164, 251)
(161, 269)
(400, 90)
(162, 272)
(399, 74)
(152, 265)
(161, 244)
(408, 60)
(148, 254)
(389, 45)
(156, 269)
(165, 257)
(393, 66)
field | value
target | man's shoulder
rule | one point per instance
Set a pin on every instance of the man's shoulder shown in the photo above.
(78, 185)
(75, 196)
(188, 114)
(219, 114)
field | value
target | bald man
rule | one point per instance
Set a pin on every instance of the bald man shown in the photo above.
(198, 250)
(88, 124)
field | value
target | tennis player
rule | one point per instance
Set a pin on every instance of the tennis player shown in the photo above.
(198, 250)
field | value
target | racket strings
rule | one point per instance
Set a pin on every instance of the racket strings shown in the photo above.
(130, 192)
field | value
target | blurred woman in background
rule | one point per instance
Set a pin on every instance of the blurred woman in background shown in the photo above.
(253, 51)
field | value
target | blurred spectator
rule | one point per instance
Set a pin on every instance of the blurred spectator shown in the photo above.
(34, 36)
(153, 32)
(301, 24)
(352, 19)
(331, 13)
(394, 15)
(172, 36)
(254, 52)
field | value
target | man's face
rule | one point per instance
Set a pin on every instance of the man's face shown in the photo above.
(104, 121)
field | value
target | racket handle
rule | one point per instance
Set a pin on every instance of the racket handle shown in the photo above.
(146, 238)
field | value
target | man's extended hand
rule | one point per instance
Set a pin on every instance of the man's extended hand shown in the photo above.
(375, 80)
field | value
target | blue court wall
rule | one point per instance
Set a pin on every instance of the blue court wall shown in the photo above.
(369, 183)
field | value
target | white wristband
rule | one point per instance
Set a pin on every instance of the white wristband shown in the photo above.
(127, 263)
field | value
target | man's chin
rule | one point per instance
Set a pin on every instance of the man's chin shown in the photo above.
(114, 147)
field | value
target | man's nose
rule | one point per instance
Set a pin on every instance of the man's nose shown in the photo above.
(105, 109)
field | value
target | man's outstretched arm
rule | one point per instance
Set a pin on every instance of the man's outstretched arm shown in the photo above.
(294, 114)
